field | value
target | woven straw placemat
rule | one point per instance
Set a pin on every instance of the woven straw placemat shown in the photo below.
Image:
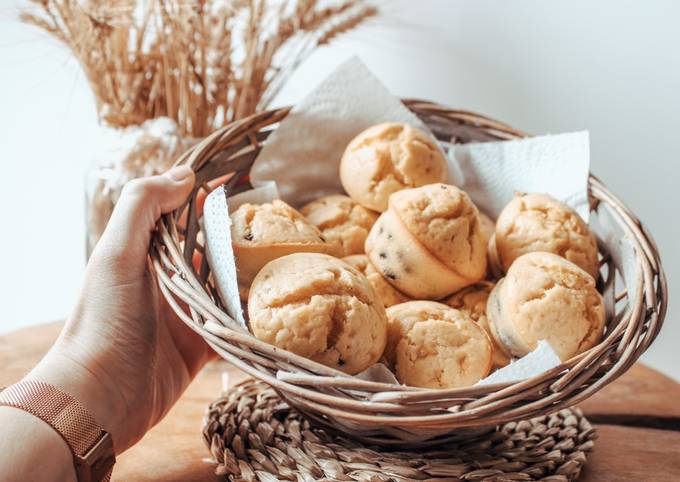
(254, 436)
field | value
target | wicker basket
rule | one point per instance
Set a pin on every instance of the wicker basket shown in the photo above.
(392, 414)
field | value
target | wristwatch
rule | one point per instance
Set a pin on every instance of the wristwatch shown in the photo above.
(92, 446)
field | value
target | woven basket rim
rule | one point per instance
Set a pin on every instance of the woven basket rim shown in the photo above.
(322, 392)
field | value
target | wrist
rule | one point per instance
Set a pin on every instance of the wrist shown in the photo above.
(73, 376)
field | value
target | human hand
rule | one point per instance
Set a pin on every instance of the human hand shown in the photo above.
(124, 353)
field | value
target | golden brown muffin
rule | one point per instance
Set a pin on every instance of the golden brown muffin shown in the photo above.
(487, 227)
(537, 222)
(321, 308)
(385, 291)
(546, 297)
(433, 345)
(494, 267)
(472, 301)
(263, 232)
(343, 223)
(429, 243)
(387, 158)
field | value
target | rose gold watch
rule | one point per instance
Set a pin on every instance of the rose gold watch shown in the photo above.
(91, 446)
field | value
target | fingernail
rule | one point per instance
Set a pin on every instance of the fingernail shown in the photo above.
(179, 173)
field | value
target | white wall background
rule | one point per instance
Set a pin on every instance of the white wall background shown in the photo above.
(612, 67)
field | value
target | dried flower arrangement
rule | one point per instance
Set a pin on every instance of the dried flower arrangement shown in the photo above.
(199, 63)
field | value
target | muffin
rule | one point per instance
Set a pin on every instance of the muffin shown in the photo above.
(263, 232)
(494, 268)
(343, 223)
(387, 158)
(537, 222)
(472, 301)
(487, 227)
(385, 291)
(321, 308)
(432, 345)
(546, 297)
(429, 243)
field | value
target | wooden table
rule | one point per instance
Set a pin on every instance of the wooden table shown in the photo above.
(637, 417)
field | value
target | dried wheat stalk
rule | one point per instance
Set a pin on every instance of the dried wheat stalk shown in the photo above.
(202, 63)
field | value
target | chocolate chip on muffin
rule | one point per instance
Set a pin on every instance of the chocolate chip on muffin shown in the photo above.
(385, 291)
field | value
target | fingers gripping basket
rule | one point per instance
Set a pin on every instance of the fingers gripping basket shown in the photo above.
(635, 294)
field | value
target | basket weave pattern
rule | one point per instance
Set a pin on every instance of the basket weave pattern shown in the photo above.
(252, 435)
(384, 413)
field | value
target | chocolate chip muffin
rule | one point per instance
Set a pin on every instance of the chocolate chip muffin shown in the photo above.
(263, 232)
(385, 291)
(429, 243)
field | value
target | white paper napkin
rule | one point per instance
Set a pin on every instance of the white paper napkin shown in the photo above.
(303, 154)
(542, 359)
(220, 254)
(491, 172)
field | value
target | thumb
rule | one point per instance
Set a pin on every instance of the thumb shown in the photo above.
(134, 218)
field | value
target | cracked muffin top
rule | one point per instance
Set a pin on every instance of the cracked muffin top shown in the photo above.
(343, 223)
(538, 222)
(445, 221)
(432, 345)
(546, 297)
(386, 158)
(271, 223)
(321, 308)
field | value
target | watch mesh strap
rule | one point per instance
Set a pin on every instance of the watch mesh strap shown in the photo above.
(68, 417)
